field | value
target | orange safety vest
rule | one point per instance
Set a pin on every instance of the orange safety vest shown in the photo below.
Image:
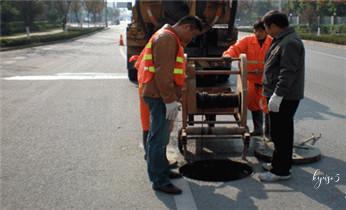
(142, 64)
(146, 68)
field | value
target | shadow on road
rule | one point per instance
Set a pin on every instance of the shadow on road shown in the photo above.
(309, 108)
(327, 193)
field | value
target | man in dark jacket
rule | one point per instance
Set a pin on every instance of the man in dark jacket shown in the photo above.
(283, 85)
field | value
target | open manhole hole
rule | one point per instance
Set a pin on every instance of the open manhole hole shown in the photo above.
(216, 170)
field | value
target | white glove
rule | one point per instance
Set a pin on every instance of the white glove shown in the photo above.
(274, 103)
(172, 110)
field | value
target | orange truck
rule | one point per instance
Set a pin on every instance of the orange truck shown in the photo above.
(148, 16)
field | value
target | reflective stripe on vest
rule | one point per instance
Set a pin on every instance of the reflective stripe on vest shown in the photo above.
(148, 45)
(148, 70)
(148, 57)
(180, 59)
(178, 71)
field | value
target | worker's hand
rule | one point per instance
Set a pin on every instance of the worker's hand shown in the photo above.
(274, 103)
(172, 110)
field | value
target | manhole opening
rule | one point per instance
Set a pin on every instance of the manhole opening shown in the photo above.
(216, 170)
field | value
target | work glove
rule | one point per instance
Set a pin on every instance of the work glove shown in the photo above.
(274, 103)
(172, 110)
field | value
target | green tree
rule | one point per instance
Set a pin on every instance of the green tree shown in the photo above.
(9, 11)
(340, 7)
(76, 7)
(30, 10)
(94, 7)
(63, 7)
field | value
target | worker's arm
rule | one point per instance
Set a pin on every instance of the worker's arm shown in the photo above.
(164, 55)
(235, 50)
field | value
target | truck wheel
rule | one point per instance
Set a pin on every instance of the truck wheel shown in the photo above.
(132, 74)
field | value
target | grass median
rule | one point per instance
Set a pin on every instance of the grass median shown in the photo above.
(328, 38)
(8, 43)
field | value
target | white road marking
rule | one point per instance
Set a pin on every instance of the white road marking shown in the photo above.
(8, 62)
(185, 201)
(71, 76)
(20, 58)
(122, 53)
(329, 55)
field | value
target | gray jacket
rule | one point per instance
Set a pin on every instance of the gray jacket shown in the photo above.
(284, 66)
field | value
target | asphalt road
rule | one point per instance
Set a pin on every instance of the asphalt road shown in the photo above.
(70, 135)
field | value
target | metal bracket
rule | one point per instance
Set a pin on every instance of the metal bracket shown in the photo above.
(313, 138)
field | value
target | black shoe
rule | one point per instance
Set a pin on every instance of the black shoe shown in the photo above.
(169, 189)
(174, 175)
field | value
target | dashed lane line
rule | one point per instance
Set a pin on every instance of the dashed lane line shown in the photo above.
(69, 76)
(122, 53)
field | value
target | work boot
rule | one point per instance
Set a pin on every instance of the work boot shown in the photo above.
(257, 119)
(145, 137)
(169, 189)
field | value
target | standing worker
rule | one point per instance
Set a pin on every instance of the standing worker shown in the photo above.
(143, 107)
(255, 46)
(162, 70)
(283, 85)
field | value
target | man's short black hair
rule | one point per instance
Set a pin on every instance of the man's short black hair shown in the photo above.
(194, 21)
(259, 25)
(278, 18)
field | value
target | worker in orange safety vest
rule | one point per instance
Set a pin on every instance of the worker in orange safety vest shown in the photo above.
(161, 70)
(255, 46)
(145, 67)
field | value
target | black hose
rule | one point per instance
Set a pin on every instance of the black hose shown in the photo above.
(221, 100)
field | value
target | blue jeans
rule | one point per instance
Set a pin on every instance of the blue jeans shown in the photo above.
(158, 138)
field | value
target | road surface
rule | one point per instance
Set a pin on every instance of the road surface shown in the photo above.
(70, 135)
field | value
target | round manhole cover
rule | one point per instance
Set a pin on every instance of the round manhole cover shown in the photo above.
(216, 170)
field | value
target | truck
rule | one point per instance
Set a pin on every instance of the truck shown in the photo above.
(148, 16)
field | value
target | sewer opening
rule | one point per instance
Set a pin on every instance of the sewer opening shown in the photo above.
(216, 170)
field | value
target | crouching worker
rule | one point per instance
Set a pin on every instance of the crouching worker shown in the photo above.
(255, 46)
(161, 67)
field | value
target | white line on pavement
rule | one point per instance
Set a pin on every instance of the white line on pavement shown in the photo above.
(185, 201)
(121, 49)
(326, 54)
(8, 62)
(71, 76)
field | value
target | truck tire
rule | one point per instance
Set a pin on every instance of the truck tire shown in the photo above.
(131, 72)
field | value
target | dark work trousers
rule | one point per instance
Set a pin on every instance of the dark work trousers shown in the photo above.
(282, 134)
